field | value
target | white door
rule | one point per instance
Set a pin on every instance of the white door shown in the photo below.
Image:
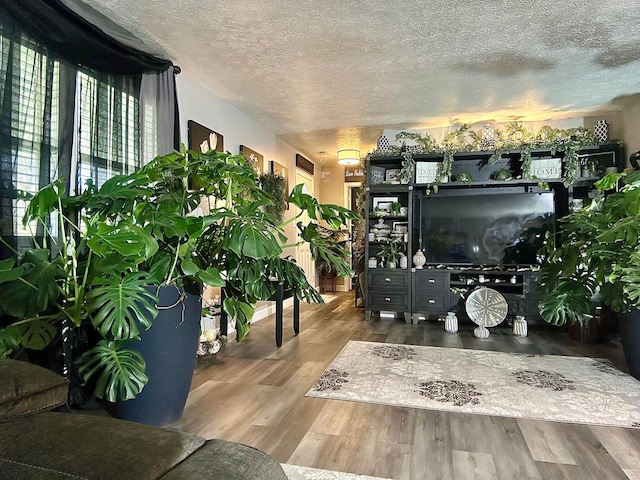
(303, 254)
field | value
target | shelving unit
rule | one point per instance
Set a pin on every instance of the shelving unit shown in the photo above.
(387, 289)
(433, 290)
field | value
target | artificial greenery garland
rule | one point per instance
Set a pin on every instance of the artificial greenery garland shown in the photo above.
(515, 137)
(276, 186)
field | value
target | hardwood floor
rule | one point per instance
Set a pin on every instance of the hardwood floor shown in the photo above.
(253, 392)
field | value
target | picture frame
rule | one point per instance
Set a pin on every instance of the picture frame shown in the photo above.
(392, 175)
(546, 168)
(400, 227)
(254, 158)
(278, 169)
(383, 203)
(201, 139)
(428, 172)
(199, 134)
(376, 175)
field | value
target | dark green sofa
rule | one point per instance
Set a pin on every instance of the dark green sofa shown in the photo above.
(38, 444)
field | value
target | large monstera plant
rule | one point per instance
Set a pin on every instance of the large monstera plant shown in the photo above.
(598, 250)
(185, 219)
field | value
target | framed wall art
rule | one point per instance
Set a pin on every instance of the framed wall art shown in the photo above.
(202, 137)
(278, 169)
(383, 203)
(254, 157)
(376, 174)
(392, 175)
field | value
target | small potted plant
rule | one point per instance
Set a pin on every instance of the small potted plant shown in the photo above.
(390, 254)
(598, 252)
(395, 208)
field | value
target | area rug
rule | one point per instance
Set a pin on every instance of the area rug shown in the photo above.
(294, 472)
(543, 387)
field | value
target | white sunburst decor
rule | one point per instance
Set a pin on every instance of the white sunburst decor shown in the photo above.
(543, 387)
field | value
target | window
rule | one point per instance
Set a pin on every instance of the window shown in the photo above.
(58, 121)
(108, 129)
(32, 111)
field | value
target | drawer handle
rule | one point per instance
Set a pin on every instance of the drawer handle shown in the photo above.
(387, 299)
(431, 300)
(387, 279)
(431, 280)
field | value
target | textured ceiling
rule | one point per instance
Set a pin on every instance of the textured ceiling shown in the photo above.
(330, 74)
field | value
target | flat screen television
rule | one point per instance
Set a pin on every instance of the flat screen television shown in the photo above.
(485, 228)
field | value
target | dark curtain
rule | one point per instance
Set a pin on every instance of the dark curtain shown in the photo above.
(29, 139)
(71, 37)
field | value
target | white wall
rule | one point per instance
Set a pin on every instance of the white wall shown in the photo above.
(204, 107)
(200, 105)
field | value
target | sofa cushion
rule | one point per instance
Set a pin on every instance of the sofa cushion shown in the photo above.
(90, 447)
(224, 460)
(26, 388)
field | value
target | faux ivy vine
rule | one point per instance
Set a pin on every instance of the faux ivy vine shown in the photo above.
(514, 138)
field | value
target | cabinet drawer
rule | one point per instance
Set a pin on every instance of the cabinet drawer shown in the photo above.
(431, 281)
(391, 301)
(388, 280)
(431, 302)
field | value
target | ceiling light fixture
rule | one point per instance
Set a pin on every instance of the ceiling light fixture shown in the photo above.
(348, 156)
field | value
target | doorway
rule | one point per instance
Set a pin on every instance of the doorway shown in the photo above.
(303, 251)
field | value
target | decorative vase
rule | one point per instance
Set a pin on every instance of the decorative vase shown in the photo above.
(601, 131)
(383, 144)
(451, 323)
(169, 349)
(391, 264)
(487, 137)
(520, 326)
(481, 332)
(404, 261)
(419, 259)
(373, 263)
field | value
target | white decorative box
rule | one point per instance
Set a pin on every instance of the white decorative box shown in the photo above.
(546, 168)
(427, 172)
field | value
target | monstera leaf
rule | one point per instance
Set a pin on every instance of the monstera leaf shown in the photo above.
(625, 231)
(7, 271)
(9, 340)
(566, 304)
(36, 290)
(242, 311)
(39, 333)
(119, 306)
(252, 239)
(126, 239)
(121, 372)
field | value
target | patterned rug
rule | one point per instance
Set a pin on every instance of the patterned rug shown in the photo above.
(544, 387)
(294, 472)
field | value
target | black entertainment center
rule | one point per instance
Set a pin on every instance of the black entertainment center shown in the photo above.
(475, 233)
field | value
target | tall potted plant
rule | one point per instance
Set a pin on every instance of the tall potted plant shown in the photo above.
(598, 250)
(137, 233)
